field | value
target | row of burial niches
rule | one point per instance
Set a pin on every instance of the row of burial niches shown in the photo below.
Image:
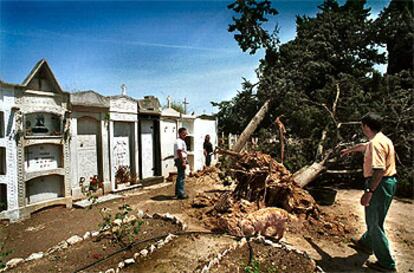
(43, 162)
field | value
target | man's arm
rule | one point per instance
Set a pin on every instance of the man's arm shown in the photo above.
(181, 157)
(357, 148)
(376, 178)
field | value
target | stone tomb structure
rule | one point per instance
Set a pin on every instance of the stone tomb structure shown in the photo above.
(9, 204)
(169, 133)
(197, 127)
(52, 142)
(204, 125)
(89, 126)
(41, 135)
(123, 144)
(149, 138)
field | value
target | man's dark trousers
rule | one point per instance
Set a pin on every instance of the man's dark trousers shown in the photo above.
(375, 238)
(179, 184)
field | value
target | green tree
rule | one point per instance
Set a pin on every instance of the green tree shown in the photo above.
(395, 29)
(335, 50)
(334, 47)
(251, 34)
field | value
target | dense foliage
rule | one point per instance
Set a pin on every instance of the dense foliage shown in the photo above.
(326, 76)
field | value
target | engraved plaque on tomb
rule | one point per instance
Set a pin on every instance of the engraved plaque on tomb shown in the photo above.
(121, 151)
(87, 156)
(43, 157)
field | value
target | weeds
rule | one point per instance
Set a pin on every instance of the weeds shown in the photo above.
(254, 267)
(90, 190)
(3, 255)
(121, 227)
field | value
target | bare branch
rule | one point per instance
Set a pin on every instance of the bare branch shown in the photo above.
(282, 132)
(343, 171)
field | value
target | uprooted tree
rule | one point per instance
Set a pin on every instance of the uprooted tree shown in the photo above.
(265, 199)
(325, 78)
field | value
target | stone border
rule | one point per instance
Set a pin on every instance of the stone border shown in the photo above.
(259, 238)
(142, 253)
(217, 259)
(75, 239)
(159, 244)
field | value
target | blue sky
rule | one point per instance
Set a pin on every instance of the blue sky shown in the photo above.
(176, 48)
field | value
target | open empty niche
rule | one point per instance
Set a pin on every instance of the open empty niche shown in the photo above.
(2, 123)
(3, 197)
(44, 188)
(3, 165)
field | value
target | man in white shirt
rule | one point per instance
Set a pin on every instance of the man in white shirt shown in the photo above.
(180, 158)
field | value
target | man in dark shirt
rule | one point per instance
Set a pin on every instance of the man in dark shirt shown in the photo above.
(208, 150)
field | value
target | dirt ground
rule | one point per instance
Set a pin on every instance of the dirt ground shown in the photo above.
(89, 251)
(332, 253)
(266, 259)
(340, 257)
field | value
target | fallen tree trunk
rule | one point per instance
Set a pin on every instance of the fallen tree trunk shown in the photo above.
(227, 152)
(251, 127)
(308, 173)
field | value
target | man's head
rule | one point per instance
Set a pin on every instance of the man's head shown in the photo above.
(207, 138)
(371, 123)
(182, 132)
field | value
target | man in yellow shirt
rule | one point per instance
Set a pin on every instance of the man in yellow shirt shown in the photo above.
(379, 172)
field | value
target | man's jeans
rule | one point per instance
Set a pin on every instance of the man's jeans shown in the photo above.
(375, 237)
(179, 184)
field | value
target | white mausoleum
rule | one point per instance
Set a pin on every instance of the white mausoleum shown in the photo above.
(53, 142)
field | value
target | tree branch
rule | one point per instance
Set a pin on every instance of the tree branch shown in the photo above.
(282, 132)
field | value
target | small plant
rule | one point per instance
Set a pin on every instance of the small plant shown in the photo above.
(121, 227)
(122, 175)
(95, 183)
(90, 190)
(254, 267)
(3, 255)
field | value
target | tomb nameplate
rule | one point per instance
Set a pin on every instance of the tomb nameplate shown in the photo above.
(87, 156)
(121, 152)
(42, 157)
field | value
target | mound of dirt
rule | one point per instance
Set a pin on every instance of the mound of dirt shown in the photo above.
(261, 258)
(261, 182)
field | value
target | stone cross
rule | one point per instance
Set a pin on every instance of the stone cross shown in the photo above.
(123, 89)
(185, 102)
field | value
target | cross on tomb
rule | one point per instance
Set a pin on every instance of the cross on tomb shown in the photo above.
(185, 102)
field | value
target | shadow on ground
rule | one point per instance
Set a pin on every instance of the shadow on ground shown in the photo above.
(163, 198)
(353, 263)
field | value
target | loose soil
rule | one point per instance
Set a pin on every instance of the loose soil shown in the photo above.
(185, 254)
(93, 250)
(266, 258)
